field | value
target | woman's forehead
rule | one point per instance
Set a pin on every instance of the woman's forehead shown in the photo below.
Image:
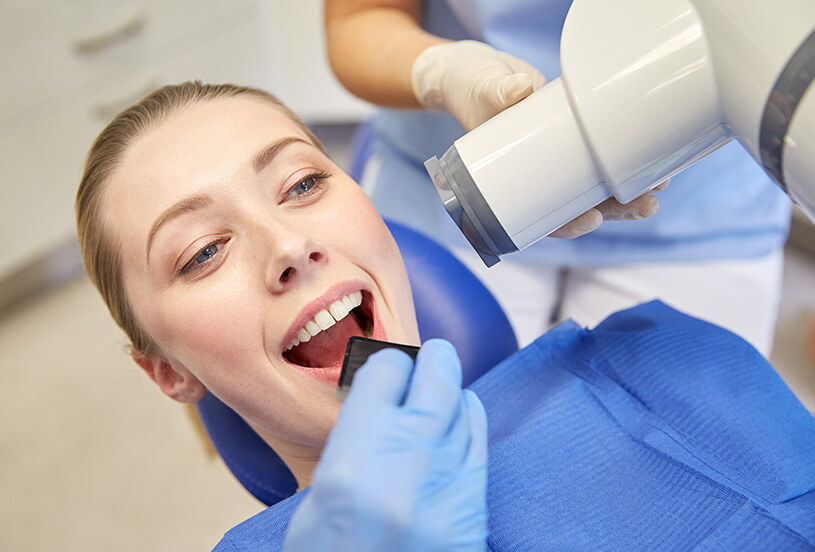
(217, 130)
(193, 150)
(204, 142)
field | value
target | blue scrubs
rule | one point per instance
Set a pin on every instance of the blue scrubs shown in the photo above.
(722, 207)
(654, 431)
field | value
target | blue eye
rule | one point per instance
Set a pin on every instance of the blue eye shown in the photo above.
(307, 186)
(304, 186)
(203, 256)
(206, 253)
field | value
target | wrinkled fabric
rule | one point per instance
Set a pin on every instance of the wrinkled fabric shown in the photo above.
(654, 431)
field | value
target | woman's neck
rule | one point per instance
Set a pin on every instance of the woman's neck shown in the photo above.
(303, 469)
(300, 459)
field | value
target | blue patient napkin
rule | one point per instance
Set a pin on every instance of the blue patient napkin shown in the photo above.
(654, 431)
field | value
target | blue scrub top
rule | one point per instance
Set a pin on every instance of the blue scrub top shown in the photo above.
(722, 207)
(654, 431)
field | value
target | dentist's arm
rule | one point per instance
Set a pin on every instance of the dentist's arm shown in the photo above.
(380, 53)
(405, 468)
(372, 45)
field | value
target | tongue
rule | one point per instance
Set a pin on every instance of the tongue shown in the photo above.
(327, 347)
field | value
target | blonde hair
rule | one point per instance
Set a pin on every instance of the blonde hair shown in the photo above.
(101, 254)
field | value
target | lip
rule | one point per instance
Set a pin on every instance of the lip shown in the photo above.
(333, 293)
(331, 374)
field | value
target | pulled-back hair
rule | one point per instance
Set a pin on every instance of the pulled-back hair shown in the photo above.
(101, 253)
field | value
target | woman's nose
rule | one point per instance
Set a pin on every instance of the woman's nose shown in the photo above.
(293, 259)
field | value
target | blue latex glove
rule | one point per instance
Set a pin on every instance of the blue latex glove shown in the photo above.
(405, 468)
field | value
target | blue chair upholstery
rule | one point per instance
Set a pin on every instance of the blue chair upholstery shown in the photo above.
(450, 303)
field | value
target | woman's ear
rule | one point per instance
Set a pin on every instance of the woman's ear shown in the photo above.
(174, 380)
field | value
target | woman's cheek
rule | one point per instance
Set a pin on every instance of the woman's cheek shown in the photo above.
(209, 330)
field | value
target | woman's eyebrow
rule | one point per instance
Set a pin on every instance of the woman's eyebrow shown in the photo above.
(191, 203)
(267, 154)
(199, 201)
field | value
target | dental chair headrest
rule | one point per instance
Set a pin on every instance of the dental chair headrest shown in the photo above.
(450, 303)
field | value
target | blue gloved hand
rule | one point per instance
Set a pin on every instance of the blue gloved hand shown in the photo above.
(405, 468)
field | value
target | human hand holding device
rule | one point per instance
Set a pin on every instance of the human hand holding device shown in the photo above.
(475, 82)
(471, 80)
(405, 467)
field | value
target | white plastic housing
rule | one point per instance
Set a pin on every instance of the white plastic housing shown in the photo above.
(647, 89)
(511, 155)
(643, 87)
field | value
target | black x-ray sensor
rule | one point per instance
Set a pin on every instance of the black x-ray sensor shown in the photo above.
(357, 352)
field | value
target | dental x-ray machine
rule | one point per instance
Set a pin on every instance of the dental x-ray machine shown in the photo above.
(647, 89)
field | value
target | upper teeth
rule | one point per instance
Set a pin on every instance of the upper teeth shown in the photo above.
(326, 318)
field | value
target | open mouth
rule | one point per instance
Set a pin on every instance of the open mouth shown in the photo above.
(322, 340)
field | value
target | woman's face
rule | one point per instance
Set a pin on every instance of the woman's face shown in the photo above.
(240, 239)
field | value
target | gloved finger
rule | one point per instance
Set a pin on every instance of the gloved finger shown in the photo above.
(520, 66)
(583, 224)
(493, 95)
(463, 450)
(661, 186)
(381, 381)
(475, 473)
(643, 207)
(379, 385)
(452, 450)
(513, 89)
(478, 428)
(435, 391)
(503, 91)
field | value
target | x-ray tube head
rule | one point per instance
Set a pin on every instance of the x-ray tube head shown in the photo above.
(466, 206)
(519, 176)
(686, 91)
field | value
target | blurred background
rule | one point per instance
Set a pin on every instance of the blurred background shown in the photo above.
(92, 455)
